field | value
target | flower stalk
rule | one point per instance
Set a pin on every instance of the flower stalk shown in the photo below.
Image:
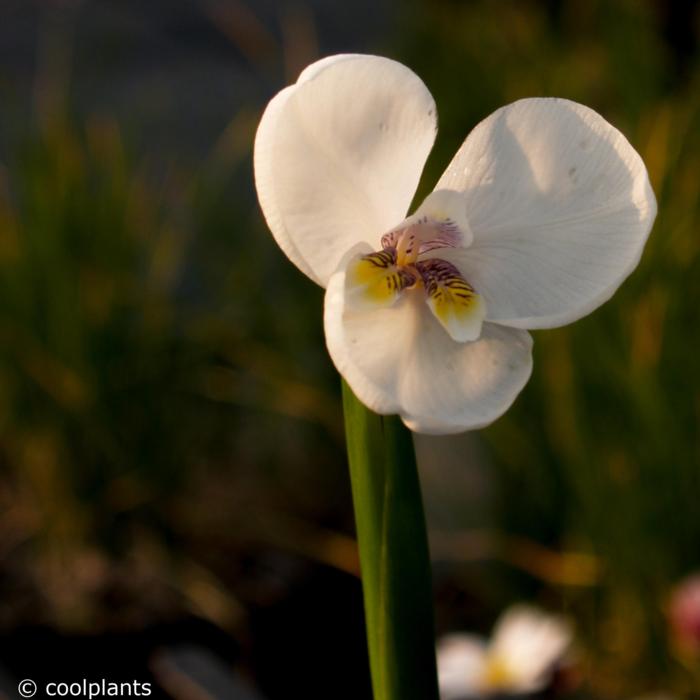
(393, 544)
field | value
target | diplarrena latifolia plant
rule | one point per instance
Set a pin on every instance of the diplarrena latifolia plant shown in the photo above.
(540, 216)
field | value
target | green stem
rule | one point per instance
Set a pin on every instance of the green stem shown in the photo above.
(396, 573)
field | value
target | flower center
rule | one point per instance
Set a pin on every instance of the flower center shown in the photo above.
(406, 262)
(414, 238)
(497, 674)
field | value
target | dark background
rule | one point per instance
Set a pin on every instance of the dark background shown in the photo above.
(174, 498)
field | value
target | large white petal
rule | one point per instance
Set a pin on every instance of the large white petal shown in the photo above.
(312, 70)
(401, 360)
(461, 661)
(338, 156)
(560, 207)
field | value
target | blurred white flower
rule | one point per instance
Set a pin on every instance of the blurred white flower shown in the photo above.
(525, 648)
(540, 216)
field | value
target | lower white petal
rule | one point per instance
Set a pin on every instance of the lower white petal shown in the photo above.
(560, 207)
(401, 360)
(461, 659)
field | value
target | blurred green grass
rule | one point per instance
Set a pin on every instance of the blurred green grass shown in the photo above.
(141, 352)
(166, 403)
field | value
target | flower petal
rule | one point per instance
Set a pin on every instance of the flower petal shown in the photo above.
(375, 281)
(452, 299)
(531, 643)
(560, 207)
(461, 659)
(448, 209)
(401, 360)
(338, 156)
(312, 70)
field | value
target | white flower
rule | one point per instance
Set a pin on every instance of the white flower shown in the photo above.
(526, 647)
(540, 216)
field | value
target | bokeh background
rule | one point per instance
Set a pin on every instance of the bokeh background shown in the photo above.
(174, 498)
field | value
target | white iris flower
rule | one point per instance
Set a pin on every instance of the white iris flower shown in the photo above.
(538, 219)
(526, 647)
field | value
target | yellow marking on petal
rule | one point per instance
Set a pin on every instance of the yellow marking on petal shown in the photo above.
(497, 675)
(375, 281)
(453, 301)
